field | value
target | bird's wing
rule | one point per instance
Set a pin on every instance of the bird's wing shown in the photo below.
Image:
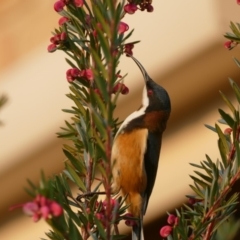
(151, 158)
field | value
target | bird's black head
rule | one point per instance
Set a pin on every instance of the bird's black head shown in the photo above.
(155, 97)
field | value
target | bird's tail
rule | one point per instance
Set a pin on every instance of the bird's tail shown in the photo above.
(137, 230)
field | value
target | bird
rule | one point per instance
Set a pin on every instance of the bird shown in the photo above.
(136, 150)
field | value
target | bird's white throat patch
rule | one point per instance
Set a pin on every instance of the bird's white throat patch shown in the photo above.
(139, 112)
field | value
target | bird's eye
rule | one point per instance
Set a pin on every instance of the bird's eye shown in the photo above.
(149, 92)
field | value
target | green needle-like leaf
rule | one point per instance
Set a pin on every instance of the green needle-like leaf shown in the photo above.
(228, 119)
(228, 102)
(74, 177)
(100, 228)
(235, 89)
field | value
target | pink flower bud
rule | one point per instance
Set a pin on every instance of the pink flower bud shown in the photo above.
(99, 216)
(55, 39)
(124, 90)
(113, 203)
(149, 8)
(176, 221)
(75, 72)
(58, 6)
(130, 8)
(171, 219)
(122, 28)
(88, 74)
(227, 131)
(165, 231)
(228, 44)
(118, 76)
(63, 36)
(120, 87)
(56, 209)
(117, 88)
(192, 200)
(88, 19)
(63, 20)
(52, 47)
(99, 26)
(129, 222)
(128, 49)
(78, 3)
(115, 52)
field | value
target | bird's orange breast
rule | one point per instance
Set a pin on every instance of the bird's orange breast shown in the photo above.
(128, 166)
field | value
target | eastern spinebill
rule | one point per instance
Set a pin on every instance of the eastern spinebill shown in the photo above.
(136, 149)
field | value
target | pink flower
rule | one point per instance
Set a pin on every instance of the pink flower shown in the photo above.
(122, 28)
(45, 212)
(30, 208)
(42, 207)
(238, 2)
(78, 3)
(59, 5)
(165, 231)
(63, 20)
(52, 47)
(130, 8)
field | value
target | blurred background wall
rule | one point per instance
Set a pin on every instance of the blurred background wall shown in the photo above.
(181, 48)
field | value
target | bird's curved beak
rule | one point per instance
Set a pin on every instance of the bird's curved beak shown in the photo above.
(144, 72)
